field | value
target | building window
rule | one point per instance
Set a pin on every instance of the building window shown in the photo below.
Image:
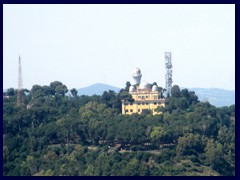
(139, 110)
(155, 97)
(143, 103)
(155, 103)
(126, 110)
(139, 97)
(146, 103)
(143, 97)
(146, 96)
(131, 103)
(131, 110)
(139, 103)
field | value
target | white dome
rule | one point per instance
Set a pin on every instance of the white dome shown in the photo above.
(144, 85)
(131, 88)
(137, 75)
(154, 88)
(136, 72)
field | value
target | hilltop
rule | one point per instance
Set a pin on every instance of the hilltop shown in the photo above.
(215, 96)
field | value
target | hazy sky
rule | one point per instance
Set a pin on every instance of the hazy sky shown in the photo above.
(80, 45)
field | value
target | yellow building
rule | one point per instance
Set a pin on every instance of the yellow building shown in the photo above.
(145, 97)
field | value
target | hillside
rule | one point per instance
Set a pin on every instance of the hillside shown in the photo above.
(61, 135)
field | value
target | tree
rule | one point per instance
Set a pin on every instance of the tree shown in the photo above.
(193, 98)
(190, 144)
(161, 90)
(157, 134)
(128, 84)
(55, 84)
(175, 91)
(10, 92)
(66, 126)
(48, 91)
(74, 92)
(185, 93)
(37, 91)
(124, 95)
(109, 98)
(61, 90)
(214, 152)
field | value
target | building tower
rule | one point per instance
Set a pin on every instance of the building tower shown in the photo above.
(168, 64)
(20, 84)
(137, 75)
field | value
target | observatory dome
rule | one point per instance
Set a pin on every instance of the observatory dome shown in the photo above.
(154, 88)
(131, 88)
(137, 75)
(136, 72)
(144, 85)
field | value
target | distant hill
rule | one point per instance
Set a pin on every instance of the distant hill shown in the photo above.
(97, 89)
(215, 96)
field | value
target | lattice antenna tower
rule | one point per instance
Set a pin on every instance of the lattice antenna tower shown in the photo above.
(168, 65)
(20, 84)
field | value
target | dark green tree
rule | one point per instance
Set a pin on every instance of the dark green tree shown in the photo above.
(61, 90)
(10, 92)
(74, 92)
(175, 91)
(128, 84)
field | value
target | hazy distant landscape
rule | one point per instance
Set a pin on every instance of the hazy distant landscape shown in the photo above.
(215, 96)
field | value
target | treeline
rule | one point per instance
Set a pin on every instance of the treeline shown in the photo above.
(59, 134)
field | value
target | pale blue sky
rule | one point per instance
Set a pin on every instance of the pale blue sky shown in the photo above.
(80, 45)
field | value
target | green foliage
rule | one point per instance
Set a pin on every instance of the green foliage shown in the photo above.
(74, 92)
(124, 95)
(190, 144)
(86, 135)
(175, 91)
(10, 92)
(128, 84)
(157, 134)
(61, 90)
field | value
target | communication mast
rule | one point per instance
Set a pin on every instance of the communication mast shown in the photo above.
(20, 84)
(168, 65)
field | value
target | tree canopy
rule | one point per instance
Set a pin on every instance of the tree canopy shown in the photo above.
(59, 134)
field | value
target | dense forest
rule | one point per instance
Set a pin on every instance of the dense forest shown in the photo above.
(54, 134)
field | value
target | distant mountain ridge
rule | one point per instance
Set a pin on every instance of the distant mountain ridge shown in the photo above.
(97, 89)
(215, 96)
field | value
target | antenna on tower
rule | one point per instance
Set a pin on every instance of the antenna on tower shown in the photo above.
(168, 64)
(20, 84)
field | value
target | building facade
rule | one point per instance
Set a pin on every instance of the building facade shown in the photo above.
(146, 98)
